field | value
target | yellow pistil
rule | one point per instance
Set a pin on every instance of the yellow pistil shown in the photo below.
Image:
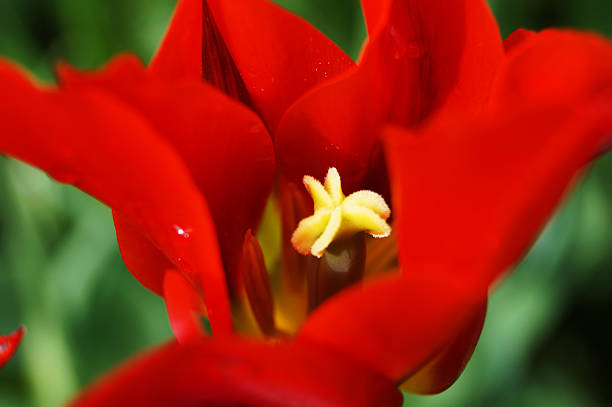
(338, 217)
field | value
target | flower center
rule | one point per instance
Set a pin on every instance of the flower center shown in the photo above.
(316, 256)
(334, 234)
(337, 217)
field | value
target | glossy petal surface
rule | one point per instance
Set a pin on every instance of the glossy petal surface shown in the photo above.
(145, 261)
(492, 184)
(278, 55)
(394, 325)
(489, 185)
(375, 13)
(554, 67)
(231, 373)
(180, 53)
(257, 285)
(185, 307)
(225, 146)
(425, 56)
(97, 145)
(446, 367)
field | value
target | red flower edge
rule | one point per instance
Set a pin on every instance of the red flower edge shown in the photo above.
(9, 345)
(231, 372)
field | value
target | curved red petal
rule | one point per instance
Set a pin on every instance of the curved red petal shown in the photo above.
(146, 262)
(446, 367)
(469, 198)
(492, 184)
(554, 67)
(184, 305)
(231, 373)
(426, 56)
(97, 145)
(394, 325)
(118, 72)
(9, 345)
(517, 38)
(225, 146)
(193, 48)
(279, 56)
(375, 13)
(257, 285)
(180, 53)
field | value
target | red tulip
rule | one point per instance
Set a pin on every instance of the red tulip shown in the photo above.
(480, 139)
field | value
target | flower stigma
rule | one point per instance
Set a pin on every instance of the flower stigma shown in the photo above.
(337, 217)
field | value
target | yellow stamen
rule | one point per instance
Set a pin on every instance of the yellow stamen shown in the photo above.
(337, 217)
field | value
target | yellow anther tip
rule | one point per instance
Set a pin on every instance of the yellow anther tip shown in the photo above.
(336, 216)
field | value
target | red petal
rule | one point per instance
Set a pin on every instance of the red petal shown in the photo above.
(440, 373)
(469, 198)
(554, 68)
(147, 263)
(428, 55)
(295, 205)
(96, 144)
(517, 38)
(9, 345)
(394, 325)
(194, 48)
(231, 373)
(279, 55)
(225, 146)
(184, 305)
(454, 182)
(376, 14)
(180, 53)
(257, 284)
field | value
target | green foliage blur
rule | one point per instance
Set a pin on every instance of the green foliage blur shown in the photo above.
(546, 339)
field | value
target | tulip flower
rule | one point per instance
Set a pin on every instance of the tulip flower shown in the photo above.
(432, 163)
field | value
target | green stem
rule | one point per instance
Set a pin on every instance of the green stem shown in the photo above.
(48, 366)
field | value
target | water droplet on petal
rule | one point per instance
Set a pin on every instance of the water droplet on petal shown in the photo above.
(184, 233)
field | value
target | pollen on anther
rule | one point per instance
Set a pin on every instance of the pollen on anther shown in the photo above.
(337, 217)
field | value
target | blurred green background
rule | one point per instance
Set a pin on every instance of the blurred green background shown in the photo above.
(546, 340)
